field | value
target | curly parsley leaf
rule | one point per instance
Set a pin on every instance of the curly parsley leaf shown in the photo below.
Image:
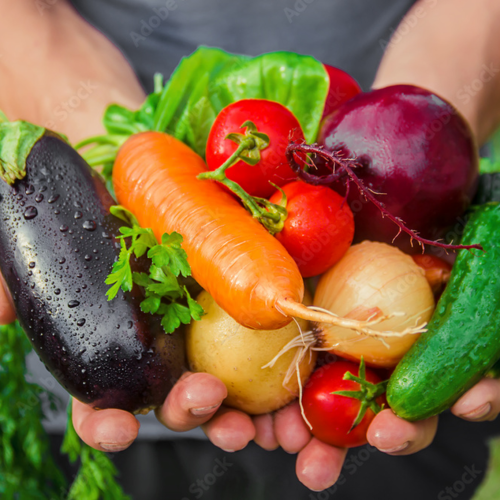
(121, 274)
(170, 253)
(194, 308)
(164, 294)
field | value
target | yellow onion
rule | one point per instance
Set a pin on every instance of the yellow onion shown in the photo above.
(374, 280)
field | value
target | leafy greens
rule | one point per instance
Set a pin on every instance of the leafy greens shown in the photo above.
(202, 85)
(164, 293)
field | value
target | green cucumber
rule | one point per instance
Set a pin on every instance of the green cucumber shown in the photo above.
(462, 341)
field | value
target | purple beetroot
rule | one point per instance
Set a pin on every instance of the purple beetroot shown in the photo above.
(415, 150)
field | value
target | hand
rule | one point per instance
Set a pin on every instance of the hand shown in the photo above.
(193, 400)
(318, 464)
(59, 72)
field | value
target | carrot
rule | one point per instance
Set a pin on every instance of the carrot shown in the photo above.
(246, 270)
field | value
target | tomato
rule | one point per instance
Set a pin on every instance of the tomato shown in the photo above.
(319, 228)
(342, 88)
(437, 271)
(270, 118)
(333, 415)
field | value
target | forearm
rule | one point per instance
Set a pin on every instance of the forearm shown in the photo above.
(451, 47)
(59, 72)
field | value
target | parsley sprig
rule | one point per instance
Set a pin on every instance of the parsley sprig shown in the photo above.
(165, 295)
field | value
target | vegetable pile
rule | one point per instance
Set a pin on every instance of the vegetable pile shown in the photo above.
(249, 176)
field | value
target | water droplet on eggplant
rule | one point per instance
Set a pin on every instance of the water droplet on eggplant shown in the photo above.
(30, 213)
(89, 225)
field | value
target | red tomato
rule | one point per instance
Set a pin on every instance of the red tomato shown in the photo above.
(271, 118)
(437, 271)
(332, 415)
(342, 88)
(319, 228)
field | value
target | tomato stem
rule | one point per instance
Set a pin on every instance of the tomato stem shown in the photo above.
(367, 394)
(270, 215)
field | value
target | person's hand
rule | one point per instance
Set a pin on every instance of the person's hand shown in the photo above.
(318, 464)
(59, 72)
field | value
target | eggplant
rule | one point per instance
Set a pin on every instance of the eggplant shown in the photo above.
(57, 245)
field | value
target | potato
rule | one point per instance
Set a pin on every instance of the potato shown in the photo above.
(217, 344)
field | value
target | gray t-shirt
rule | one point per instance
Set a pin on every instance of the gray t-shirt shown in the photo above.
(155, 34)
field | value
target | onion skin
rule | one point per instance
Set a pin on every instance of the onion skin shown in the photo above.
(415, 148)
(374, 275)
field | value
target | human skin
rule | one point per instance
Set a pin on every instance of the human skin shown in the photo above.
(67, 55)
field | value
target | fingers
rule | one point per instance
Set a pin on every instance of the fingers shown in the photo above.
(395, 436)
(104, 430)
(319, 464)
(290, 429)
(480, 403)
(230, 430)
(264, 432)
(7, 314)
(193, 400)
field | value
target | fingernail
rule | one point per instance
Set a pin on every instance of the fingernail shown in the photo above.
(478, 413)
(206, 410)
(397, 448)
(227, 450)
(115, 447)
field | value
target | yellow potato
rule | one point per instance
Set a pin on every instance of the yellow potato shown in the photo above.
(217, 344)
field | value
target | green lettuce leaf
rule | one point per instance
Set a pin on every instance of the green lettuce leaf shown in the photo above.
(201, 86)
(298, 82)
(184, 108)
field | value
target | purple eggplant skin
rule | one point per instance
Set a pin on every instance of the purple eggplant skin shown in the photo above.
(57, 245)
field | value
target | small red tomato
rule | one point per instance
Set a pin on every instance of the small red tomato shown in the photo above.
(319, 228)
(270, 118)
(342, 88)
(332, 415)
(437, 271)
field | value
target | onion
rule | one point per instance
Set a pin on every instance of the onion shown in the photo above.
(372, 280)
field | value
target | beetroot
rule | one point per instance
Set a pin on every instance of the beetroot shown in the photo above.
(413, 147)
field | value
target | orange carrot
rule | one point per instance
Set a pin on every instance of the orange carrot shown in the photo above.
(245, 269)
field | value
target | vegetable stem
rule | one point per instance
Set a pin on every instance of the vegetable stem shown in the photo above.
(270, 215)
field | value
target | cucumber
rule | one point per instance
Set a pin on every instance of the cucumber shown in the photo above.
(462, 341)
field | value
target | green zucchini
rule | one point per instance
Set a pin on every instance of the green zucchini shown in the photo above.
(462, 341)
